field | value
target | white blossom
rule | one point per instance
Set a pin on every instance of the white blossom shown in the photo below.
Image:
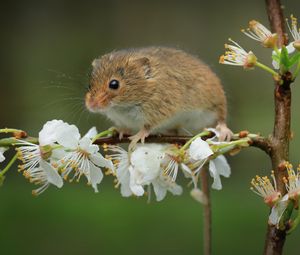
(259, 32)
(162, 184)
(200, 150)
(273, 198)
(84, 159)
(144, 167)
(199, 154)
(278, 210)
(237, 56)
(44, 174)
(54, 139)
(263, 187)
(30, 154)
(36, 169)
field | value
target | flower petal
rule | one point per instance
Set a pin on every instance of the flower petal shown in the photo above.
(214, 173)
(91, 133)
(222, 166)
(52, 175)
(2, 150)
(125, 185)
(146, 159)
(86, 144)
(199, 149)
(159, 190)
(136, 189)
(99, 160)
(175, 189)
(68, 136)
(189, 174)
(58, 154)
(61, 132)
(199, 196)
(278, 210)
(95, 176)
(290, 48)
(48, 133)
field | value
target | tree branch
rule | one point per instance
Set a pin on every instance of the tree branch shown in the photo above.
(276, 19)
(279, 140)
(254, 140)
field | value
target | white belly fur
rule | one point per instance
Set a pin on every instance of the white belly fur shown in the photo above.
(132, 118)
(188, 122)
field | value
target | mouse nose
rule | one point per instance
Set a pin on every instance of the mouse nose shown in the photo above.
(90, 102)
(96, 102)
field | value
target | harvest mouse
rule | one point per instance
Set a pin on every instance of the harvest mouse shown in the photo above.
(157, 90)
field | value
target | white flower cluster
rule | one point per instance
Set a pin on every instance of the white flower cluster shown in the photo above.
(236, 55)
(61, 153)
(157, 165)
(144, 167)
(272, 197)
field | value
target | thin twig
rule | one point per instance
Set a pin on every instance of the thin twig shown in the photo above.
(207, 215)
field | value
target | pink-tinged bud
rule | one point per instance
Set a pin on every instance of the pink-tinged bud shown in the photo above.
(250, 60)
(272, 199)
(271, 41)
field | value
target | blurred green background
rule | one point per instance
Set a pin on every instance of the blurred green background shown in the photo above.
(46, 51)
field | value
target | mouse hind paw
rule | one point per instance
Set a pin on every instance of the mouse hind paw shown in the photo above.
(140, 136)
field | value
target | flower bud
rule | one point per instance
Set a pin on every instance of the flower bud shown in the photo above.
(271, 41)
(296, 45)
(251, 60)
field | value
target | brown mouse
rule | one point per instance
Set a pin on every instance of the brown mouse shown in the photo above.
(157, 90)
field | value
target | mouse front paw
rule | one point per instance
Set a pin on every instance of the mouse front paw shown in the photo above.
(225, 133)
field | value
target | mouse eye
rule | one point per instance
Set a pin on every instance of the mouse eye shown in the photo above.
(114, 84)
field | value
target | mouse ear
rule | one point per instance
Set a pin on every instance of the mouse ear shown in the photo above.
(144, 63)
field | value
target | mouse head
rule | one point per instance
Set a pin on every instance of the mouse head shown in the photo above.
(117, 79)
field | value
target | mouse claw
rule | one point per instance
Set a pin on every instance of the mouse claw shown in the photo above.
(122, 132)
(140, 136)
(225, 133)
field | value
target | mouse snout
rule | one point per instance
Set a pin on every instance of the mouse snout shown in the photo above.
(96, 102)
